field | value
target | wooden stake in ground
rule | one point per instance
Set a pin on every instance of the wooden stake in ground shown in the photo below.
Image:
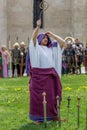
(78, 106)
(68, 106)
(58, 110)
(86, 119)
(44, 108)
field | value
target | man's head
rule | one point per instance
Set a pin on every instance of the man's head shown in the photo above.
(3, 47)
(22, 44)
(76, 40)
(43, 39)
(16, 45)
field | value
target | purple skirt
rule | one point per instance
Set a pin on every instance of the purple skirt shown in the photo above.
(44, 80)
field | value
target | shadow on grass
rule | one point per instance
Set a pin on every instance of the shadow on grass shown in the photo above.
(32, 126)
(29, 126)
(50, 126)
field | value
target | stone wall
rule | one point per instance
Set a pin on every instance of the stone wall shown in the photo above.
(3, 22)
(63, 17)
(19, 20)
(58, 17)
(79, 19)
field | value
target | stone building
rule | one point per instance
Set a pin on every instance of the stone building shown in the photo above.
(63, 17)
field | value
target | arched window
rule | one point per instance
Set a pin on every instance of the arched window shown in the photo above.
(36, 12)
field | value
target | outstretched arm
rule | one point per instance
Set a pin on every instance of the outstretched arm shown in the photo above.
(35, 33)
(58, 38)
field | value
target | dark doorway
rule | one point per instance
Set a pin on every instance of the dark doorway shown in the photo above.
(36, 12)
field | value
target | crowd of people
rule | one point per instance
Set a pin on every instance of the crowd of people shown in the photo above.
(14, 62)
(74, 56)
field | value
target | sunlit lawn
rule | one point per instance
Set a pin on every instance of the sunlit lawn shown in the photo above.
(14, 104)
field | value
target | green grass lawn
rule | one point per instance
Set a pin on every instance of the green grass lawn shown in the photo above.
(14, 104)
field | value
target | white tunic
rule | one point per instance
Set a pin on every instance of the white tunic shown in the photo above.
(44, 57)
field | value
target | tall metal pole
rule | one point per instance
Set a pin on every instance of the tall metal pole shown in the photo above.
(17, 39)
(28, 41)
(10, 60)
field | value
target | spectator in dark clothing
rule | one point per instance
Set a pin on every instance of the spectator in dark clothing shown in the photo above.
(22, 58)
(70, 55)
(15, 59)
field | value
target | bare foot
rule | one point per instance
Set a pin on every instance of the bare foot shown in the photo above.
(62, 119)
(37, 123)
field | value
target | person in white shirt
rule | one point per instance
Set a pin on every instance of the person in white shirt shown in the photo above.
(45, 58)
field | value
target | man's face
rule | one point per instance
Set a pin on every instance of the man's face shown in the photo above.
(76, 41)
(44, 41)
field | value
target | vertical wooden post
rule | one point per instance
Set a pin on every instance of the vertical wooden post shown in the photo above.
(78, 106)
(44, 107)
(58, 110)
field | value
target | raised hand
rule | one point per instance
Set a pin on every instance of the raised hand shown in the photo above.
(50, 34)
(39, 22)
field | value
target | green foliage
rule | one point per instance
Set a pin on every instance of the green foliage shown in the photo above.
(14, 104)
